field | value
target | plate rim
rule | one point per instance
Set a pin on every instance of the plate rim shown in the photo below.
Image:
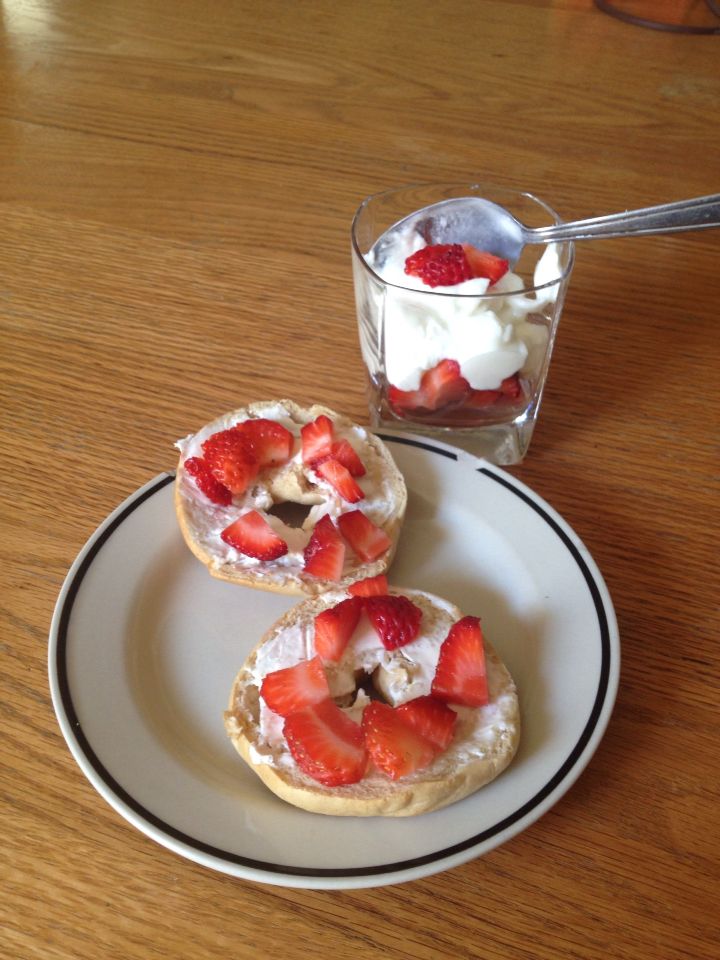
(238, 865)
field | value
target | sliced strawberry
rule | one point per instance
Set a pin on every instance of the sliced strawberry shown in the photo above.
(339, 478)
(335, 626)
(370, 587)
(443, 384)
(483, 264)
(230, 458)
(345, 453)
(396, 620)
(431, 718)
(402, 400)
(325, 552)
(293, 688)
(270, 443)
(439, 265)
(367, 540)
(460, 675)
(511, 387)
(317, 439)
(252, 535)
(326, 744)
(207, 482)
(394, 746)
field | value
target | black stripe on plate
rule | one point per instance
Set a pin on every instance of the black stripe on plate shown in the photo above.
(275, 868)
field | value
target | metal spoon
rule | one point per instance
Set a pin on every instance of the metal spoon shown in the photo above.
(490, 227)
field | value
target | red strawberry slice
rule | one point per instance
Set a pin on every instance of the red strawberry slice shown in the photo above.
(396, 620)
(206, 481)
(460, 675)
(439, 265)
(325, 553)
(443, 384)
(335, 626)
(404, 400)
(394, 746)
(252, 535)
(511, 387)
(270, 443)
(317, 439)
(326, 744)
(431, 718)
(370, 587)
(484, 264)
(339, 478)
(367, 540)
(293, 688)
(440, 386)
(230, 458)
(345, 453)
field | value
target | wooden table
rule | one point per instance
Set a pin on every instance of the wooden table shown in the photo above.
(177, 183)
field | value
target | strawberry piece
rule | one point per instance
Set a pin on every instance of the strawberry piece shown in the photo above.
(367, 540)
(402, 400)
(252, 535)
(511, 387)
(394, 746)
(345, 453)
(370, 587)
(440, 386)
(340, 479)
(206, 481)
(269, 442)
(396, 620)
(460, 675)
(439, 265)
(293, 688)
(484, 264)
(431, 718)
(317, 439)
(335, 626)
(326, 744)
(230, 458)
(443, 384)
(325, 553)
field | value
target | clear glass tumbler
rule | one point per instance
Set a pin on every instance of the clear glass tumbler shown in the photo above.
(465, 363)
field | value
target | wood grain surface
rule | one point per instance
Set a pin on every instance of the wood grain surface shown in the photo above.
(177, 183)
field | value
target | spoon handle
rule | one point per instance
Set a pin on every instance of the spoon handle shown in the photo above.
(697, 214)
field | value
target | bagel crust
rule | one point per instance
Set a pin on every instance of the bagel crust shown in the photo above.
(485, 741)
(292, 483)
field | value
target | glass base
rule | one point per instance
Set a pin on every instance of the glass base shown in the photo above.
(499, 433)
(503, 443)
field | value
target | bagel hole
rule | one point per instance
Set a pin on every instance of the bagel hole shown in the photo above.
(292, 514)
(366, 683)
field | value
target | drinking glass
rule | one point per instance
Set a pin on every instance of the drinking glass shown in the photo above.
(467, 363)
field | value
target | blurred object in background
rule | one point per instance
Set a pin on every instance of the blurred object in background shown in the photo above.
(677, 16)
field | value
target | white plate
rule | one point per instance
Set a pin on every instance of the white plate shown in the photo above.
(144, 646)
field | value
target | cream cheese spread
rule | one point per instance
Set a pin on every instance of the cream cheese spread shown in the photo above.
(400, 675)
(293, 481)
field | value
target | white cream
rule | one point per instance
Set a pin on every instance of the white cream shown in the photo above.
(404, 674)
(209, 519)
(491, 337)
